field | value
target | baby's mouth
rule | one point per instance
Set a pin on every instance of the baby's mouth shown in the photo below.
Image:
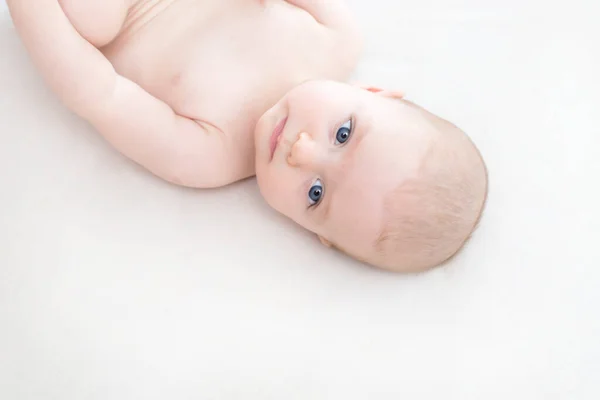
(275, 136)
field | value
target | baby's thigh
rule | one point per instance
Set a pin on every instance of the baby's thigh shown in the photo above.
(98, 21)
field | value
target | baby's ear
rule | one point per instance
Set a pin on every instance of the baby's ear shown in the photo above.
(325, 242)
(392, 94)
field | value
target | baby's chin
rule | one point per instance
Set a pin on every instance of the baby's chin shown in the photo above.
(261, 167)
(260, 138)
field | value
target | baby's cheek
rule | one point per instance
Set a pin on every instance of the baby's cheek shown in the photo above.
(286, 201)
(271, 189)
(281, 196)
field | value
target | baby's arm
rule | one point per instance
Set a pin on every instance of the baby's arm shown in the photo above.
(331, 13)
(138, 125)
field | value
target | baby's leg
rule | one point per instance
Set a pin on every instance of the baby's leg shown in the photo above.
(97, 21)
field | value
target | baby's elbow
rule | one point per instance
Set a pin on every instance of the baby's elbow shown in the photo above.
(195, 179)
(197, 175)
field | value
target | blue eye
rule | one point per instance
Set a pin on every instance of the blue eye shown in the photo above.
(343, 133)
(315, 193)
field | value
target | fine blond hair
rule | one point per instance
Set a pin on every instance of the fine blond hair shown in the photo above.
(429, 218)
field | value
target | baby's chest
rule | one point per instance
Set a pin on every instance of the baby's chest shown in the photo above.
(227, 69)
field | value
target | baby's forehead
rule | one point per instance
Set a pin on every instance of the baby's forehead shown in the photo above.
(355, 219)
(380, 163)
(384, 159)
(356, 209)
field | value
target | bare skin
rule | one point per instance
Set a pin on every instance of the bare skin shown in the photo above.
(179, 85)
(203, 93)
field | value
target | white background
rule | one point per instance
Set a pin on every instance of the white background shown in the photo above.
(114, 285)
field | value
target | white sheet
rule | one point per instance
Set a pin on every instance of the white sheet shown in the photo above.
(114, 285)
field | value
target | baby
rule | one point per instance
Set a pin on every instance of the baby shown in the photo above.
(204, 93)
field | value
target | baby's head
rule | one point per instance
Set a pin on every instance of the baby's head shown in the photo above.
(371, 174)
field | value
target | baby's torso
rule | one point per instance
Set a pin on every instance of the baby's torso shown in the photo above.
(225, 62)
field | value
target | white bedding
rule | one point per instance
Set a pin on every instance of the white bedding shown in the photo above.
(114, 285)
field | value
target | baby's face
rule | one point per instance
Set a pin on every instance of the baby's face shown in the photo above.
(326, 156)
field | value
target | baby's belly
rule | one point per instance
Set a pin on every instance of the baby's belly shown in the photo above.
(218, 65)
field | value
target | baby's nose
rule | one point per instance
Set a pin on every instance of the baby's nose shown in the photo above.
(303, 152)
